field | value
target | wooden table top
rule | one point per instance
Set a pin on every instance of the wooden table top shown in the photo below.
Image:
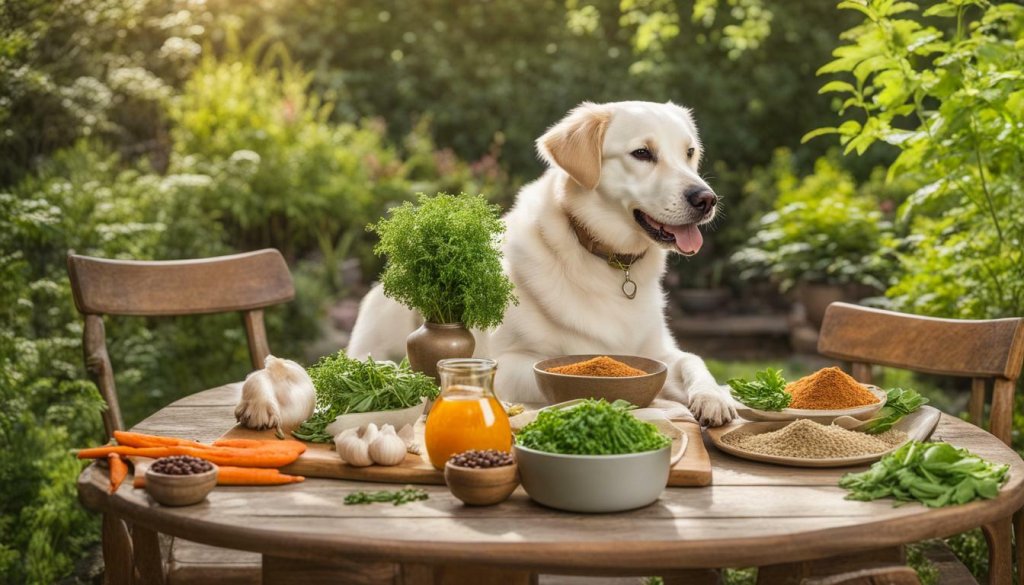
(753, 514)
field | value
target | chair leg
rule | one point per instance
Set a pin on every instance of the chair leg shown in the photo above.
(1018, 534)
(1000, 552)
(118, 568)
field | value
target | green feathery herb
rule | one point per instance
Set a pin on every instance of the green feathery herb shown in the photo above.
(593, 427)
(767, 391)
(935, 474)
(345, 385)
(898, 404)
(396, 497)
(443, 259)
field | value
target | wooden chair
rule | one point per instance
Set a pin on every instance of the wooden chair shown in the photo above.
(247, 283)
(980, 350)
(879, 576)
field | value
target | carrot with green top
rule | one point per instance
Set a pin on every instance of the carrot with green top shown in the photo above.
(118, 471)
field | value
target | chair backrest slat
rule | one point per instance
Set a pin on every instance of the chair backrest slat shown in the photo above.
(993, 348)
(180, 287)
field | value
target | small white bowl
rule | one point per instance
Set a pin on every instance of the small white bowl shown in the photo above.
(821, 416)
(395, 418)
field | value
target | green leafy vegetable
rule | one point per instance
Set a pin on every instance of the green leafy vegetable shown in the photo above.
(766, 392)
(396, 497)
(593, 427)
(345, 385)
(898, 404)
(935, 474)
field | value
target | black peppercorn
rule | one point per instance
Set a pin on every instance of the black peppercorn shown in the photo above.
(181, 465)
(481, 459)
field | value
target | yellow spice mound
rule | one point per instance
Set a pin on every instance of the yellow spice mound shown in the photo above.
(599, 366)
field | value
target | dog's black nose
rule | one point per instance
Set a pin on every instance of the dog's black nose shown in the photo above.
(702, 198)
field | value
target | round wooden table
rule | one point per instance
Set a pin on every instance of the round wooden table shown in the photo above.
(753, 515)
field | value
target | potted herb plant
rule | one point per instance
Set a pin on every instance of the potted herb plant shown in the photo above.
(443, 260)
(825, 239)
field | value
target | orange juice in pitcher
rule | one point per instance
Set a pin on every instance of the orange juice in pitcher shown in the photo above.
(467, 415)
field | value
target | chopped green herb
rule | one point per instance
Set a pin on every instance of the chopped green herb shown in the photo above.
(396, 497)
(767, 391)
(935, 474)
(345, 385)
(593, 427)
(898, 404)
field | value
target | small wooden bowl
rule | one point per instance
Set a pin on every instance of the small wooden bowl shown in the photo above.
(180, 490)
(481, 487)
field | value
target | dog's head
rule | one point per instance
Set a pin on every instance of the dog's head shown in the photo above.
(634, 165)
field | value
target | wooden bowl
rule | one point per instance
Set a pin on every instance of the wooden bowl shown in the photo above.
(638, 390)
(180, 490)
(481, 487)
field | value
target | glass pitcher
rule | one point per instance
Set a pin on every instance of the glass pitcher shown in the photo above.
(467, 415)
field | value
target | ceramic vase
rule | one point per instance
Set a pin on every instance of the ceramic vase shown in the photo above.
(433, 342)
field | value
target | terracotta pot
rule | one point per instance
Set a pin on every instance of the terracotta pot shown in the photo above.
(433, 342)
(817, 297)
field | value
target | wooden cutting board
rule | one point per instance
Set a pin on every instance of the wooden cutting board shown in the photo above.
(321, 460)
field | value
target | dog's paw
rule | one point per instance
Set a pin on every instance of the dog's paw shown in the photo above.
(712, 406)
(257, 413)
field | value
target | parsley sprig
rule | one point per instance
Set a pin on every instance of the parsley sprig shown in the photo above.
(767, 391)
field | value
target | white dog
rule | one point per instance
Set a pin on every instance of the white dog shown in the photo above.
(586, 248)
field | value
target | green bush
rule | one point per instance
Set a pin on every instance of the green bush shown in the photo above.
(286, 176)
(822, 230)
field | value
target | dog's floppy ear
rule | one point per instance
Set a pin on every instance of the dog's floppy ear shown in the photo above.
(575, 144)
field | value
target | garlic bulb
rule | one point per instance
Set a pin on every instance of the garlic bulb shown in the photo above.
(353, 449)
(408, 436)
(280, 396)
(369, 445)
(388, 448)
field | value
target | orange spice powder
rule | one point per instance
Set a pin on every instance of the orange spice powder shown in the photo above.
(829, 389)
(599, 366)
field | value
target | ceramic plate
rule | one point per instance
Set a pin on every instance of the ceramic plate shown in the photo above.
(822, 416)
(918, 425)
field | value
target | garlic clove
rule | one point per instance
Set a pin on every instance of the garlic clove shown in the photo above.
(387, 449)
(354, 451)
(388, 430)
(369, 433)
(407, 434)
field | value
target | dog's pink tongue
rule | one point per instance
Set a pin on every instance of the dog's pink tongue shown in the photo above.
(688, 237)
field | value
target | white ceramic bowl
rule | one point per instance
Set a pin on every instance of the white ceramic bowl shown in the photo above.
(593, 483)
(821, 416)
(395, 418)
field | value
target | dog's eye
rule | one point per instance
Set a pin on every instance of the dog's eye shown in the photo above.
(690, 151)
(643, 154)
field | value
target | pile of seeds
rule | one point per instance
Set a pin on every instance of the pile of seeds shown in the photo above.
(181, 465)
(482, 459)
(807, 439)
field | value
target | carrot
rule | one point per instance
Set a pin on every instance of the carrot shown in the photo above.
(118, 471)
(144, 441)
(258, 443)
(230, 456)
(248, 476)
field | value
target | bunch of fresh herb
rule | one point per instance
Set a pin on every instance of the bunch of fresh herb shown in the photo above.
(593, 427)
(345, 385)
(898, 404)
(396, 497)
(443, 259)
(767, 391)
(935, 474)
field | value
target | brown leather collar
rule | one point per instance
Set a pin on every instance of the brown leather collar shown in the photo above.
(620, 261)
